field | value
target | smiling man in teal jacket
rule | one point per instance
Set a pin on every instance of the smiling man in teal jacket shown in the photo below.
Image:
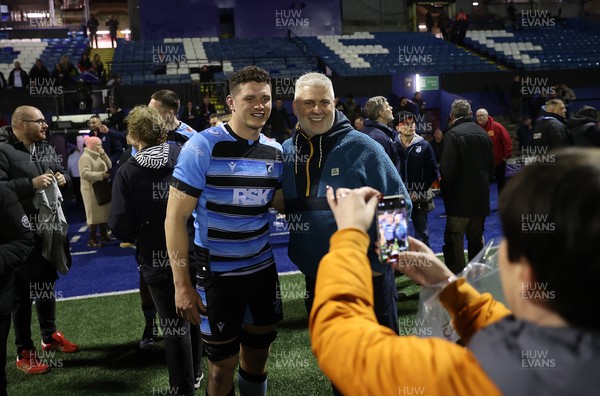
(326, 150)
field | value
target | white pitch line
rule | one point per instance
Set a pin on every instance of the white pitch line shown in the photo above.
(116, 293)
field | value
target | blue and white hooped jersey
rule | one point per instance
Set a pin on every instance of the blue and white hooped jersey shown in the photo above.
(235, 180)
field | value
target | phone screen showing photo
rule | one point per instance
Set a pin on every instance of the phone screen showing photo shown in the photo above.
(392, 227)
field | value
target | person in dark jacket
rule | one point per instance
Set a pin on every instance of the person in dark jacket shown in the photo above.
(279, 122)
(326, 151)
(39, 70)
(418, 170)
(583, 127)
(16, 242)
(113, 26)
(379, 113)
(437, 145)
(112, 140)
(18, 78)
(467, 169)
(205, 110)
(29, 163)
(525, 134)
(549, 129)
(92, 26)
(140, 193)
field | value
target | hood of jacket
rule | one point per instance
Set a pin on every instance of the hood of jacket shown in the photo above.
(6, 134)
(578, 121)
(416, 139)
(157, 157)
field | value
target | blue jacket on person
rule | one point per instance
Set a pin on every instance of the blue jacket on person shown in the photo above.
(417, 163)
(341, 157)
(385, 136)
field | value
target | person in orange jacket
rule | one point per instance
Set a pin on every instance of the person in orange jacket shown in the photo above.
(549, 265)
(501, 142)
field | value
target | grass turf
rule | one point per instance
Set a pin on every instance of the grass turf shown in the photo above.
(108, 330)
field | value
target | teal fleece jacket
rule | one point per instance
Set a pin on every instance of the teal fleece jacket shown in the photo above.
(342, 157)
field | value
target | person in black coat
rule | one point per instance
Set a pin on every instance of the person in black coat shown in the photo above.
(467, 169)
(16, 243)
(279, 121)
(139, 205)
(92, 26)
(549, 129)
(29, 163)
(39, 70)
(113, 26)
(583, 127)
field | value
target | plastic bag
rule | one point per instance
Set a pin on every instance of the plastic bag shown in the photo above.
(482, 273)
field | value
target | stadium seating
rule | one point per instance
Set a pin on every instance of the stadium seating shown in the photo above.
(49, 51)
(365, 53)
(543, 49)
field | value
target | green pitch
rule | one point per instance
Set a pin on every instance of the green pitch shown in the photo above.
(108, 330)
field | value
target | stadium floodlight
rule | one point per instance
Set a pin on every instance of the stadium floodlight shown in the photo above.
(417, 83)
(475, 4)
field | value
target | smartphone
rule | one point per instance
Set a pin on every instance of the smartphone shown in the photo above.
(392, 228)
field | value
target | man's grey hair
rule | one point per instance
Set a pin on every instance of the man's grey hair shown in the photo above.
(313, 79)
(460, 108)
(374, 106)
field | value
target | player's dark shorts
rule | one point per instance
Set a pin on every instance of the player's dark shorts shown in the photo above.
(231, 301)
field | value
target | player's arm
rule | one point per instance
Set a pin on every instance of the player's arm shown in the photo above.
(179, 208)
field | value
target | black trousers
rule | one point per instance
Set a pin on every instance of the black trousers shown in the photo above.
(454, 240)
(34, 281)
(183, 344)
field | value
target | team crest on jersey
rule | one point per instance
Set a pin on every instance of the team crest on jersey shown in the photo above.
(269, 166)
(418, 149)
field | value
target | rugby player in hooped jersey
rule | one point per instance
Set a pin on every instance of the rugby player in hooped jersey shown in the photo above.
(227, 176)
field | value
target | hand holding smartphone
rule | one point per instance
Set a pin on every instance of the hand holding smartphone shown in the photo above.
(392, 228)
